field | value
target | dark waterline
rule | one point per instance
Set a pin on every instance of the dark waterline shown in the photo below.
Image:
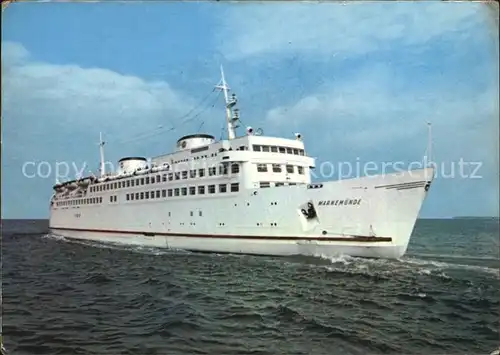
(64, 297)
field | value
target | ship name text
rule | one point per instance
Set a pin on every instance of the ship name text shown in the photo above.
(340, 202)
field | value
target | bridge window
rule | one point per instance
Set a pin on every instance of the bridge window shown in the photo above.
(262, 168)
(276, 168)
(289, 169)
(300, 170)
(212, 171)
(274, 149)
(295, 151)
(265, 148)
(301, 151)
(235, 168)
(289, 150)
(282, 150)
(256, 148)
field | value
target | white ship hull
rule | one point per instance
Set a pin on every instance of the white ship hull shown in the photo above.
(375, 219)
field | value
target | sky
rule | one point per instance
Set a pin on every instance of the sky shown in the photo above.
(358, 80)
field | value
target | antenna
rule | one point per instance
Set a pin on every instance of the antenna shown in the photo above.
(231, 117)
(429, 143)
(101, 148)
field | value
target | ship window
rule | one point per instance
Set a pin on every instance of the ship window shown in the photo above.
(146, 195)
(164, 177)
(200, 214)
(265, 148)
(300, 170)
(100, 199)
(184, 191)
(169, 192)
(235, 168)
(176, 191)
(279, 184)
(158, 178)
(301, 151)
(265, 184)
(222, 188)
(274, 149)
(262, 168)
(128, 183)
(132, 183)
(201, 190)
(142, 181)
(235, 187)
(292, 184)
(147, 180)
(282, 150)
(276, 168)
(289, 150)
(256, 148)
(212, 171)
(110, 198)
(170, 176)
(211, 189)
(289, 169)
(127, 197)
(201, 172)
(131, 196)
(223, 169)
(192, 174)
(192, 190)
(157, 193)
(295, 151)
(184, 175)
(177, 176)
(142, 195)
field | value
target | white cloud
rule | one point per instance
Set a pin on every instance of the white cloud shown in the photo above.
(327, 29)
(71, 98)
(370, 110)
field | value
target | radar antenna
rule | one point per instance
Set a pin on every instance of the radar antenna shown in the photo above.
(232, 116)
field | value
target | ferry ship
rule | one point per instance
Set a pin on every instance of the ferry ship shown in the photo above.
(247, 194)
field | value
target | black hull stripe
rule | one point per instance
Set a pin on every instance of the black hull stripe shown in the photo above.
(414, 183)
(222, 236)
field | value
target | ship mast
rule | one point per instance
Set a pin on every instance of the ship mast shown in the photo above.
(232, 117)
(101, 149)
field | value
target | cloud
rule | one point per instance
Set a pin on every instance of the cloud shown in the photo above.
(345, 29)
